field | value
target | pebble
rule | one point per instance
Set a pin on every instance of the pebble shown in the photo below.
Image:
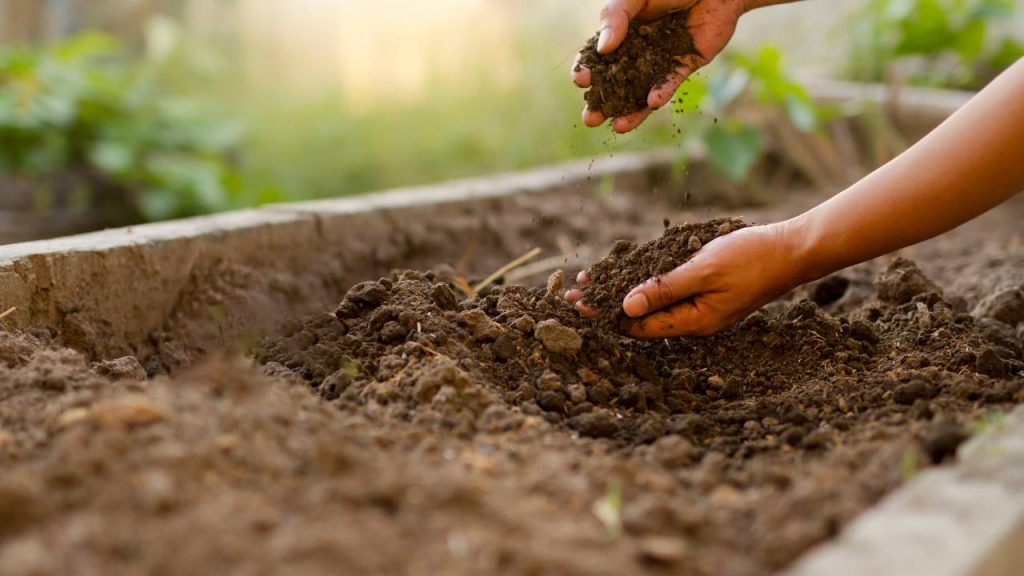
(126, 412)
(663, 549)
(557, 338)
(694, 244)
(480, 324)
(524, 324)
(555, 283)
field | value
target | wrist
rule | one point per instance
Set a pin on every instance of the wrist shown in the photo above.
(804, 248)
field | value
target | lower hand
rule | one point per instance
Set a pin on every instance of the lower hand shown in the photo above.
(727, 280)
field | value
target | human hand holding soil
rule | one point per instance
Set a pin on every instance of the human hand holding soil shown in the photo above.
(726, 280)
(966, 166)
(711, 23)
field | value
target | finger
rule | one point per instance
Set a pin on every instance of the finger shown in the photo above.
(592, 118)
(624, 124)
(684, 282)
(615, 17)
(684, 319)
(573, 296)
(583, 278)
(580, 75)
(585, 310)
(662, 95)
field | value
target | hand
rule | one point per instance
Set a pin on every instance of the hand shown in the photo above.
(712, 23)
(727, 280)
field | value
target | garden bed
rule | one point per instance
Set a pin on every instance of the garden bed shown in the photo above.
(413, 430)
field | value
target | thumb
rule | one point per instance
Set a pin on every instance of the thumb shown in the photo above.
(615, 18)
(684, 282)
(685, 319)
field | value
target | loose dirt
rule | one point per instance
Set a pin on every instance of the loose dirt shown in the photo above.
(621, 81)
(500, 434)
(629, 264)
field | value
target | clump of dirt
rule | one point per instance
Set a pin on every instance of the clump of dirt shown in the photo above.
(622, 80)
(629, 264)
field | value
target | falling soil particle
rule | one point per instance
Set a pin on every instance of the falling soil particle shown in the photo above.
(622, 80)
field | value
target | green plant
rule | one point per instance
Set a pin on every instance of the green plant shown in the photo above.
(732, 145)
(956, 43)
(86, 105)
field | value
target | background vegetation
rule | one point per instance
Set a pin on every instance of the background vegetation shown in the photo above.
(183, 123)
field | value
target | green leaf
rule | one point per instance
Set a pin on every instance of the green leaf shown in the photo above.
(801, 113)
(971, 40)
(691, 94)
(724, 88)
(1008, 52)
(926, 30)
(734, 148)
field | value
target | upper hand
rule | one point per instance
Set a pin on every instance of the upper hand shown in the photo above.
(727, 280)
(712, 23)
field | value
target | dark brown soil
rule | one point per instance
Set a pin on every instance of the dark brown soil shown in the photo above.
(730, 419)
(503, 434)
(621, 81)
(629, 264)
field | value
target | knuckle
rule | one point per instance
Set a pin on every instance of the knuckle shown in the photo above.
(663, 291)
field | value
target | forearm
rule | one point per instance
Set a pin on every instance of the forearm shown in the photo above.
(969, 164)
(753, 4)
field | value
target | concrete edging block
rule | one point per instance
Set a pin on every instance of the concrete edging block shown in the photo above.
(961, 520)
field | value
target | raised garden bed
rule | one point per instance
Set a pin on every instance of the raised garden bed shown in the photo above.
(412, 430)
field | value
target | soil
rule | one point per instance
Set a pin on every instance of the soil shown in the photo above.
(505, 434)
(621, 81)
(629, 264)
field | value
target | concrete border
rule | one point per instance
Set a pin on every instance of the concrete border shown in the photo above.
(125, 291)
(961, 520)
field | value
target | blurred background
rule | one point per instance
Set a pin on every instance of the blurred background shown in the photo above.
(125, 111)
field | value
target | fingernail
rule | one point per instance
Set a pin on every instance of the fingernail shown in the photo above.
(604, 39)
(636, 305)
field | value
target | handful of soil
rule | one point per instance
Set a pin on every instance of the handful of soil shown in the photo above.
(628, 265)
(621, 81)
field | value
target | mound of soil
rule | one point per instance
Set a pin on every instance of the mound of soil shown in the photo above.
(621, 81)
(629, 264)
(502, 434)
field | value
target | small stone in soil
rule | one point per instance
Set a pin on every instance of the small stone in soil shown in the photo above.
(557, 338)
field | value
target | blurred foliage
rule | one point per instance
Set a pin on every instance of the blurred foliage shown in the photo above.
(85, 104)
(734, 146)
(951, 43)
